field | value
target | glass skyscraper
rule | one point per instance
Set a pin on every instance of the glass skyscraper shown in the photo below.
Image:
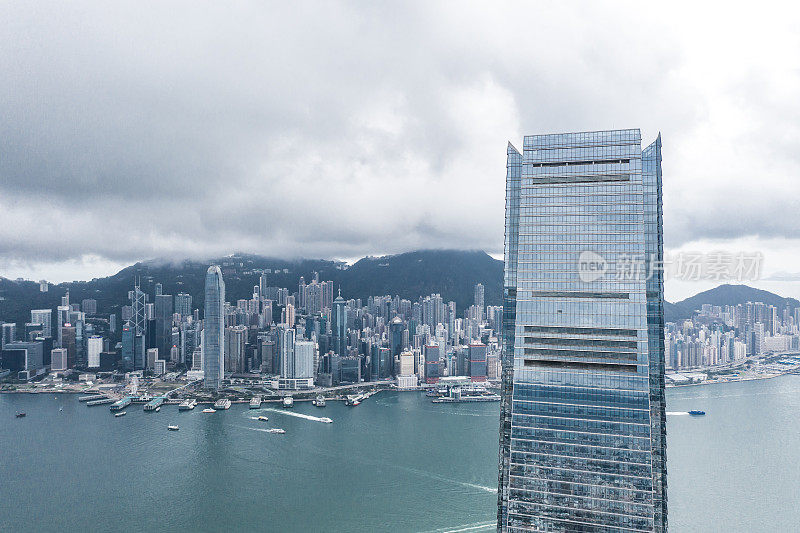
(214, 329)
(582, 428)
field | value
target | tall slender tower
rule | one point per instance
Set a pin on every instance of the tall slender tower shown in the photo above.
(214, 328)
(339, 325)
(582, 428)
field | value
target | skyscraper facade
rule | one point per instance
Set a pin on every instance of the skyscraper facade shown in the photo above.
(582, 433)
(339, 326)
(214, 329)
(45, 318)
(479, 300)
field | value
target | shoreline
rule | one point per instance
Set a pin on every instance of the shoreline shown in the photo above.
(738, 380)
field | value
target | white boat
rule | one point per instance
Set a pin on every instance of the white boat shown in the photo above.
(173, 428)
(288, 401)
(224, 403)
(263, 418)
(255, 403)
(209, 410)
(319, 401)
(121, 413)
(326, 420)
(187, 405)
(276, 430)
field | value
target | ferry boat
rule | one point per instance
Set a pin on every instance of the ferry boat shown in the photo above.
(353, 400)
(255, 403)
(697, 413)
(276, 430)
(319, 401)
(224, 403)
(187, 404)
(263, 418)
(288, 401)
(121, 413)
(209, 410)
(173, 428)
(119, 405)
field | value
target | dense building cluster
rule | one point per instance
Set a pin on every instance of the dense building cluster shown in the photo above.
(301, 338)
(720, 335)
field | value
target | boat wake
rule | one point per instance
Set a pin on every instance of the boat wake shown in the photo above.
(677, 413)
(476, 526)
(298, 415)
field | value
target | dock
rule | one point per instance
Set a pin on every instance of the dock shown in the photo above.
(154, 404)
(91, 398)
(101, 401)
(119, 405)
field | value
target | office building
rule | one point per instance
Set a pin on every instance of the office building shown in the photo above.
(432, 366)
(304, 355)
(339, 326)
(45, 318)
(24, 359)
(89, 306)
(163, 324)
(235, 349)
(286, 342)
(479, 301)
(9, 333)
(58, 359)
(94, 345)
(477, 361)
(214, 329)
(183, 304)
(582, 437)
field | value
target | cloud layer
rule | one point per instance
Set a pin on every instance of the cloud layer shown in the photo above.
(341, 129)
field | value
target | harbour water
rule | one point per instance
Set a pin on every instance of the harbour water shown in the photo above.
(396, 462)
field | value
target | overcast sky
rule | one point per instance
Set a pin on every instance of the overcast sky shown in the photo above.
(133, 131)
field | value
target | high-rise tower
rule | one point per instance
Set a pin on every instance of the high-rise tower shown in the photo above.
(214, 328)
(582, 431)
(339, 326)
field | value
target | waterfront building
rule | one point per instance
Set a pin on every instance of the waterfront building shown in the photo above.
(286, 342)
(214, 328)
(22, 358)
(58, 359)
(477, 361)
(304, 352)
(432, 365)
(582, 433)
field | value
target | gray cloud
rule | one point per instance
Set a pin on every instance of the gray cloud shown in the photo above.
(342, 129)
